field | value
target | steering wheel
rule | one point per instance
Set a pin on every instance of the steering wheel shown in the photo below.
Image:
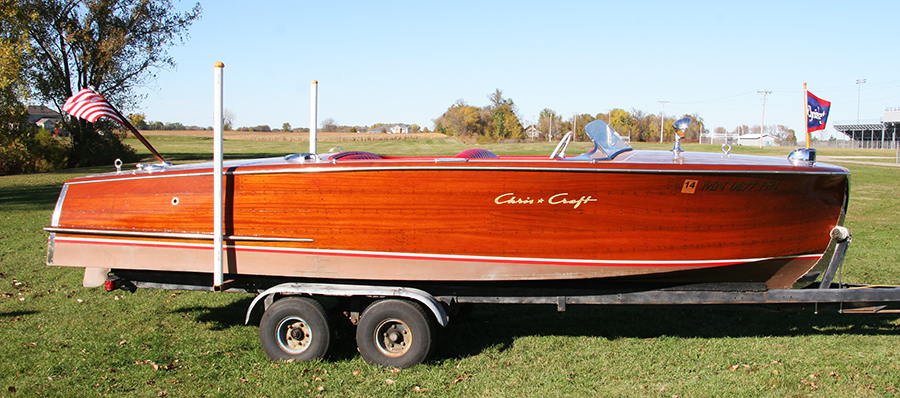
(561, 147)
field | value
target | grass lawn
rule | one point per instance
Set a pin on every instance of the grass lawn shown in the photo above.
(60, 339)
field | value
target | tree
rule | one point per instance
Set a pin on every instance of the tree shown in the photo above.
(645, 127)
(580, 121)
(497, 121)
(550, 123)
(114, 46)
(138, 120)
(621, 121)
(14, 51)
(463, 120)
(227, 119)
(286, 127)
(786, 136)
(329, 125)
(504, 118)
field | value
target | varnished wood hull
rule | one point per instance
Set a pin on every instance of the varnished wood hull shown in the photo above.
(642, 217)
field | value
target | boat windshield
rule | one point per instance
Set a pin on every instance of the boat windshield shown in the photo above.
(608, 143)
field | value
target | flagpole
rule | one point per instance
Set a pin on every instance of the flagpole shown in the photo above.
(806, 113)
(134, 131)
(218, 200)
(313, 116)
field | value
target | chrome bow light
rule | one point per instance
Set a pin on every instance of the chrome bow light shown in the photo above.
(681, 126)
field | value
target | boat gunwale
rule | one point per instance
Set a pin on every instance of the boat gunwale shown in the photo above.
(366, 166)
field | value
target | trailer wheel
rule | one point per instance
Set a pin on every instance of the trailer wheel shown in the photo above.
(295, 328)
(394, 333)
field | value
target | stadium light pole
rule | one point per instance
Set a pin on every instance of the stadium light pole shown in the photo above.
(859, 83)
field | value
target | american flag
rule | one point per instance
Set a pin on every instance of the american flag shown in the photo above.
(89, 105)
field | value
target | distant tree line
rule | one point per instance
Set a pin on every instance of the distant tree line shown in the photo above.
(138, 120)
(500, 120)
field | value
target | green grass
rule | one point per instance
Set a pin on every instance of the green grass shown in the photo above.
(60, 339)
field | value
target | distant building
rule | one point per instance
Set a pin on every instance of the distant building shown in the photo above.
(753, 140)
(398, 128)
(878, 134)
(533, 132)
(43, 117)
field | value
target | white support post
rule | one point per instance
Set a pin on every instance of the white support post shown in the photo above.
(218, 202)
(313, 115)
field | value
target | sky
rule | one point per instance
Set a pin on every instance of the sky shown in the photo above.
(408, 62)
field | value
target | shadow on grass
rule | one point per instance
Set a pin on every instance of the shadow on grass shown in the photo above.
(218, 317)
(499, 326)
(14, 314)
(29, 197)
(193, 157)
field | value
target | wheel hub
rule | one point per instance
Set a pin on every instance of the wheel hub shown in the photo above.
(294, 335)
(393, 337)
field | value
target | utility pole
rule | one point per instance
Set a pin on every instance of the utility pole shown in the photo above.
(762, 127)
(859, 83)
(575, 122)
(550, 135)
(700, 135)
(662, 120)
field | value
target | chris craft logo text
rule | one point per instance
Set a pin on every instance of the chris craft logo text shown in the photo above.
(558, 199)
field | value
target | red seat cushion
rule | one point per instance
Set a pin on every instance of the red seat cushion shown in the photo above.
(477, 153)
(355, 155)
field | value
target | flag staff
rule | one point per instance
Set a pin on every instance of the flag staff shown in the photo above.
(90, 105)
(218, 200)
(806, 113)
(140, 137)
(313, 116)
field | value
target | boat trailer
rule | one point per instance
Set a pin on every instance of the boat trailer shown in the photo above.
(395, 323)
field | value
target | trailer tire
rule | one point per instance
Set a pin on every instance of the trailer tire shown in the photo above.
(295, 328)
(394, 333)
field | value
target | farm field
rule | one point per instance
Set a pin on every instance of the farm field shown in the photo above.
(60, 339)
(290, 136)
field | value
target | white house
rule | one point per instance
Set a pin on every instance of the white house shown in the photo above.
(753, 140)
(533, 132)
(43, 117)
(398, 128)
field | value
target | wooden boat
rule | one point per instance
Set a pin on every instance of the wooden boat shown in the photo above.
(612, 214)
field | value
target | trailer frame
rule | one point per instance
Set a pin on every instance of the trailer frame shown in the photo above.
(406, 306)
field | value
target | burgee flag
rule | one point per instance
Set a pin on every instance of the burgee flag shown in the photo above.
(816, 112)
(89, 105)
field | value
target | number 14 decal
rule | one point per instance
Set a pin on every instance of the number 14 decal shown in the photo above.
(689, 186)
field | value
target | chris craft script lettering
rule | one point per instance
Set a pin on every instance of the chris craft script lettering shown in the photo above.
(558, 199)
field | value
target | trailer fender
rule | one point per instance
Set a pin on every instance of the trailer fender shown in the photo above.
(328, 289)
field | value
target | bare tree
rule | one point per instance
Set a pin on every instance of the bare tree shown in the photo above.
(328, 124)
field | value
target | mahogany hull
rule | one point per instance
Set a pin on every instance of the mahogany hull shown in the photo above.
(642, 217)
